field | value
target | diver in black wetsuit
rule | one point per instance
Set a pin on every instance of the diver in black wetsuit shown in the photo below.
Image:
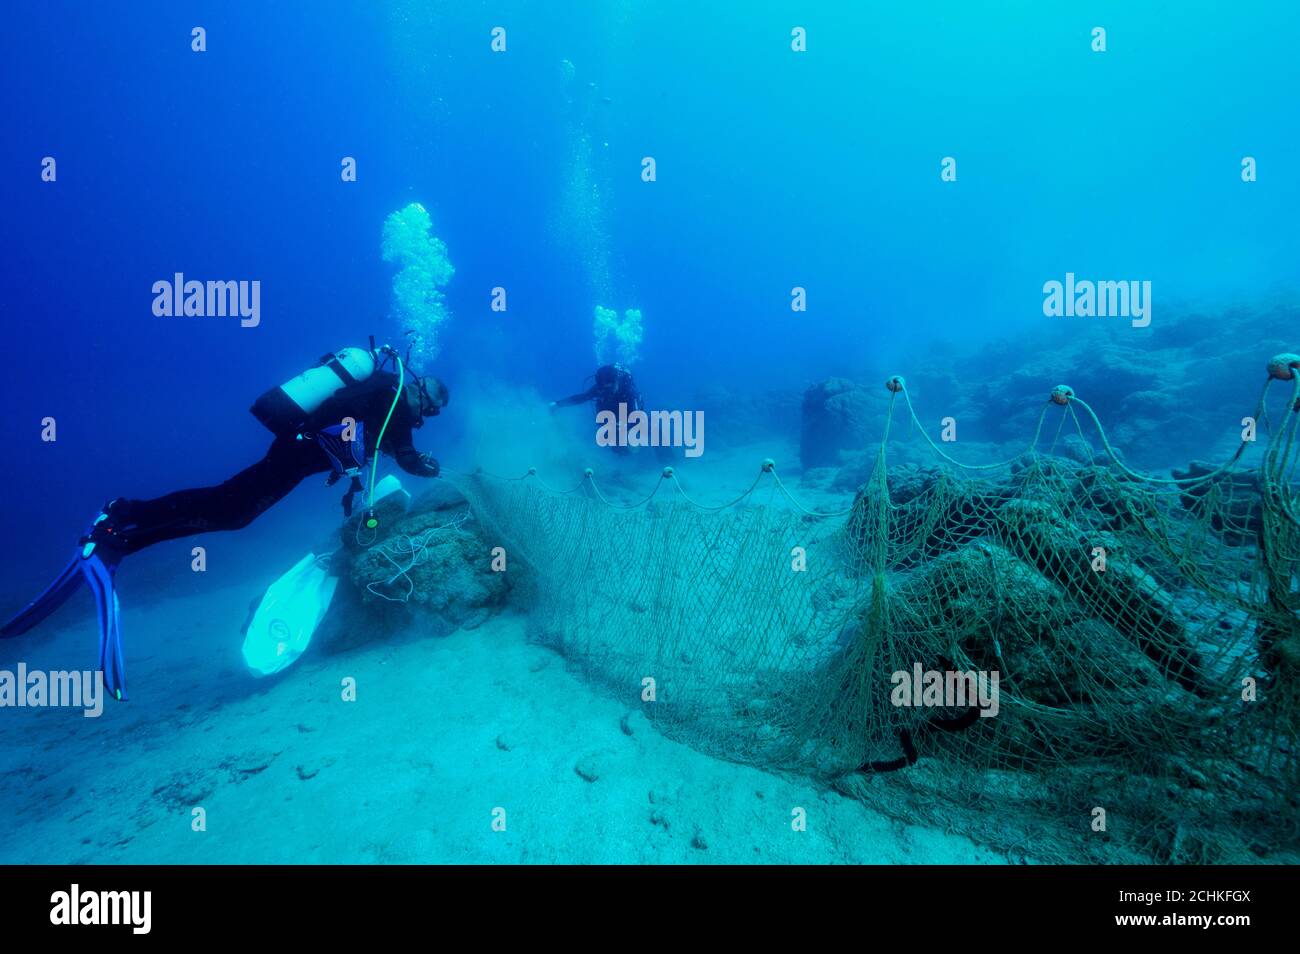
(298, 451)
(333, 417)
(613, 386)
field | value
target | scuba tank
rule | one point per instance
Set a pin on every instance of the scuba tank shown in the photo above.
(284, 409)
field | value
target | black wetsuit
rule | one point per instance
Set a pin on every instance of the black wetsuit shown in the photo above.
(137, 524)
(613, 386)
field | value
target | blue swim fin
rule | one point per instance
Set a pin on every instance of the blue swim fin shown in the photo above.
(55, 595)
(98, 576)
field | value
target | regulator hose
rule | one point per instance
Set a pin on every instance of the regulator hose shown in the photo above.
(371, 522)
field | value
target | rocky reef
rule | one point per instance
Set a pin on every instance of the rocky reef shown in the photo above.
(838, 416)
(431, 562)
(739, 417)
(1166, 394)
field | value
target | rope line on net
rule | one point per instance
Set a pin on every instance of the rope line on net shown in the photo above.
(1280, 464)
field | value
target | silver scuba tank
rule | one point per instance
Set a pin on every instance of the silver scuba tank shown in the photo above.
(286, 408)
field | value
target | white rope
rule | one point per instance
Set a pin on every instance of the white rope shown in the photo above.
(417, 549)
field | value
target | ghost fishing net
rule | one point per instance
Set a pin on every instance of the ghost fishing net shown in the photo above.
(1145, 635)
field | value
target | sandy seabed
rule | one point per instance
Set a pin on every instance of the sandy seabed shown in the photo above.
(444, 731)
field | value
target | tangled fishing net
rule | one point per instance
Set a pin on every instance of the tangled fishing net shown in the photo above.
(1145, 632)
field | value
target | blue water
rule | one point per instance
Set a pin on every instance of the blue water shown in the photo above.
(774, 170)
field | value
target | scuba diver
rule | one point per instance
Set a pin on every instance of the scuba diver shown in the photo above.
(336, 417)
(613, 385)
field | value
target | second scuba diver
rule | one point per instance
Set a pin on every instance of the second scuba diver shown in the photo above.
(613, 385)
(337, 416)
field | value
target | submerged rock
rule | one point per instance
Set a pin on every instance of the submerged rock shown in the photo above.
(433, 560)
(1232, 502)
(1074, 447)
(1125, 595)
(739, 417)
(838, 415)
